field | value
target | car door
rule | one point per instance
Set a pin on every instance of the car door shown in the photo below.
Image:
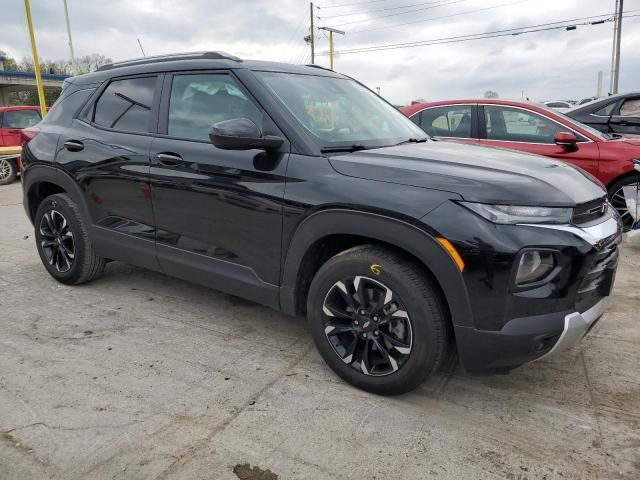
(15, 120)
(449, 122)
(521, 129)
(626, 118)
(106, 150)
(218, 212)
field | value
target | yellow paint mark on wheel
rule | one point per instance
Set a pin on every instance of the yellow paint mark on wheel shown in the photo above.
(375, 268)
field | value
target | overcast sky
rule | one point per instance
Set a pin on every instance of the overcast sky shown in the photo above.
(546, 65)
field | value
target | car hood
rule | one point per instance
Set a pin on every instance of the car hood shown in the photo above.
(479, 174)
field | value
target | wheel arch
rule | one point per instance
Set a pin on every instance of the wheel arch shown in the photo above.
(325, 233)
(40, 181)
(623, 176)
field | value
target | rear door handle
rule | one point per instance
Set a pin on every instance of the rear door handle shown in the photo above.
(14, 131)
(169, 159)
(74, 145)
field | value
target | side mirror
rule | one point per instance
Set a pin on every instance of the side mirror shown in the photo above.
(567, 140)
(241, 134)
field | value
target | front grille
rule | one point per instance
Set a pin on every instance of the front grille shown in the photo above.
(598, 279)
(589, 211)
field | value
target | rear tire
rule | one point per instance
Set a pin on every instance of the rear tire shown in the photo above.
(393, 353)
(618, 200)
(8, 171)
(63, 244)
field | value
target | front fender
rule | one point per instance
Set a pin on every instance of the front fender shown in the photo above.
(411, 238)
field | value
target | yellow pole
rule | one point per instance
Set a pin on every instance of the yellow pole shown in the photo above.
(331, 49)
(36, 62)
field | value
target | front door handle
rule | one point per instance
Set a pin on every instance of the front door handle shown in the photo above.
(169, 159)
(14, 131)
(74, 145)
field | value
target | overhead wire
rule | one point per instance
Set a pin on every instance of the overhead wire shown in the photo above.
(366, 12)
(479, 36)
(430, 19)
(448, 2)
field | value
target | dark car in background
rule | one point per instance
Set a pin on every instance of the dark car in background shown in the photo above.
(614, 114)
(299, 188)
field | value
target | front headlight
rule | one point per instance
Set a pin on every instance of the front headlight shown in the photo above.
(512, 214)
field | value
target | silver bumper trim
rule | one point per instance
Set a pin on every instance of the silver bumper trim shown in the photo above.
(593, 235)
(576, 325)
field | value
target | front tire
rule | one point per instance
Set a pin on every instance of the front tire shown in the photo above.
(8, 171)
(63, 244)
(623, 196)
(377, 320)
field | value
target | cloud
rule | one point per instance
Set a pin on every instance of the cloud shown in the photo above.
(545, 65)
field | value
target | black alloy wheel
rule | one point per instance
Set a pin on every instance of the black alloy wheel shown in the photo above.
(57, 241)
(367, 325)
(624, 198)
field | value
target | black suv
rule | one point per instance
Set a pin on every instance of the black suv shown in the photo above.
(299, 188)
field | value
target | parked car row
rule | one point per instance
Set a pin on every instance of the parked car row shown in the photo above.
(532, 128)
(301, 189)
(12, 121)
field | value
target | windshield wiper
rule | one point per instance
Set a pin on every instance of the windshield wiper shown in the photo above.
(343, 148)
(414, 140)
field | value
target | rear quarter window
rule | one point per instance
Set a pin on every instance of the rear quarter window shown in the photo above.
(66, 107)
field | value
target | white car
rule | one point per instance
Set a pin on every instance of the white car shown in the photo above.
(558, 105)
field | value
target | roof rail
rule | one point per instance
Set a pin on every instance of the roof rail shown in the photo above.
(171, 57)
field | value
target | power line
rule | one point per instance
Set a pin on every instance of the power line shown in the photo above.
(381, 10)
(475, 10)
(449, 2)
(480, 36)
(353, 4)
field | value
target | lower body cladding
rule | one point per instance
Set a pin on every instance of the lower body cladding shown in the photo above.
(517, 322)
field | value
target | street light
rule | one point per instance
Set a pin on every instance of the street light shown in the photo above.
(331, 32)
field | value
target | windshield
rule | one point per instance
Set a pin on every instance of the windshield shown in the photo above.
(339, 111)
(591, 130)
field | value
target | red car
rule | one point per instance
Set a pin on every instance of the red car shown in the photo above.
(12, 121)
(612, 158)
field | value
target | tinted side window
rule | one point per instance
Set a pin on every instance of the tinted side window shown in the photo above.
(454, 121)
(126, 104)
(515, 125)
(20, 118)
(200, 100)
(65, 107)
(630, 108)
(606, 110)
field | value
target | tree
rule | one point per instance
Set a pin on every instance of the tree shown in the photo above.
(90, 63)
(491, 94)
(9, 63)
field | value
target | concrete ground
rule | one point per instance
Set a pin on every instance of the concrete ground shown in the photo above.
(138, 375)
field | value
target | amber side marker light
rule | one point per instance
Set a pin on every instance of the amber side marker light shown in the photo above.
(453, 253)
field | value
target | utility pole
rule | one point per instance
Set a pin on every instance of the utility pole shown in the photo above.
(618, 33)
(599, 91)
(615, 56)
(73, 58)
(311, 39)
(331, 32)
(36, 61)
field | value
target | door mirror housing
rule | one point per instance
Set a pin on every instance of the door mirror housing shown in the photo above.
(241, 134)
(567, 140)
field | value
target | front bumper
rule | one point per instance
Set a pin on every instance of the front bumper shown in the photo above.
(576, 326)
(509, 326)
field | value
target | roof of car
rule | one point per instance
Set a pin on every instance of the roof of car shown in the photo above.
(19, 107)
(195, 61)
(416, 107)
